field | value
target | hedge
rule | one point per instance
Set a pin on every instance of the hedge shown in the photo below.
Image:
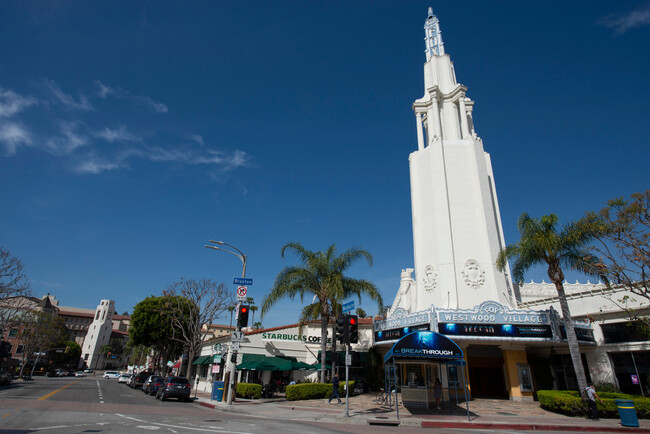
(570, 403)
(249, 390)
(298, 392)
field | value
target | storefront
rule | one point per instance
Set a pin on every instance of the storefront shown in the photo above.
(496, 342)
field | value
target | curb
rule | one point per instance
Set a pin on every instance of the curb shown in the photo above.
(531, 427)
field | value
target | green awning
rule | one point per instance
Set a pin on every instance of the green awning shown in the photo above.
(250, 361)
(316, 366)
(202, 360)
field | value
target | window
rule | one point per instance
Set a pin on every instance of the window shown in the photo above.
(619, 332)
(19, 349)
(12, 333)
(85, 357)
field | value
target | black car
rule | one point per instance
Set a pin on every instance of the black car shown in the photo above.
(174, 387)
(146, 387)
(139, 379)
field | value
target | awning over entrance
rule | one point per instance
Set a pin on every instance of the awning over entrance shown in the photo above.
(202, 360)
(425, 344)
(258, 362)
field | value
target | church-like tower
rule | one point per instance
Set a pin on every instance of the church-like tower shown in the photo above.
(98, 335)
(457, 231)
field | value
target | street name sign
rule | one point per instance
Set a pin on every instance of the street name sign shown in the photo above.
(243, 281)
(347, 306)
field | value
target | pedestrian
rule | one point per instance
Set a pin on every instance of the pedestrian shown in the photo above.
(591, 397)
(335, 390)
(437, 392)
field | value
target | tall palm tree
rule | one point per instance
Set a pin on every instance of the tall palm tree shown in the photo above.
(321, 275)
(542, 243)
(231, 309)
(253, 309)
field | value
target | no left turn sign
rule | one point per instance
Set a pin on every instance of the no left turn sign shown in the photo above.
(241, 291)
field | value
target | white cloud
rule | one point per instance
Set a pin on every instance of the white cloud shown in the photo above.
(119, 93)
(68, 101)
(68, 142)
(119, 135)
(12, 135)
(95, 166)
(198, 139)
(12, 103)
(622, 23)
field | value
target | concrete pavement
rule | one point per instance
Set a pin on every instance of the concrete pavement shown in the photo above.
(490, 414)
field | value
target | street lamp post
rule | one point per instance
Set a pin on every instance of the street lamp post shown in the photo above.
(232, 354)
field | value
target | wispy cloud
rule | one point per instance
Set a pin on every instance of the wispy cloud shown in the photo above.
(69, 140)
(198, 139)
(12, 135)
(93, 165)
(622, 23)
(66, 100)
(119, 93)
(12, 103)
(117, 135)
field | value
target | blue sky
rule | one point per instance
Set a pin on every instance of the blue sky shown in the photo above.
(131, 133)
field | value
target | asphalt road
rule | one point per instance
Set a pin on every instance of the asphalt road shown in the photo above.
(94, 404)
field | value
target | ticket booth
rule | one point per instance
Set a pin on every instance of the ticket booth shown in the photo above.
(418, 361)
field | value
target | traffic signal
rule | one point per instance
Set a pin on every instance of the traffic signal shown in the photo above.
(342, 330)
(242, 316)
(353, 329)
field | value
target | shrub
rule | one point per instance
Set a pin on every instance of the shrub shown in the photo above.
(249, 390)
(570, 403)
(298, 392)
(607, 387)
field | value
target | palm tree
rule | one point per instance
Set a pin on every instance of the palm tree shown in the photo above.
(542, 243)
(231, 309)
(321, 275)
(257, 325)
(253, 309)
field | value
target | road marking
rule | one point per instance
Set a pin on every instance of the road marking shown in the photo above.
(179, 427)
(101, 396)
(43, 398)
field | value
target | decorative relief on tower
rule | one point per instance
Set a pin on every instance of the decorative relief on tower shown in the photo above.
(430, 278)
(473, 274)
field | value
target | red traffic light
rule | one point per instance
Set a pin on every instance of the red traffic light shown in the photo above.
(244, 309)
(353, 321)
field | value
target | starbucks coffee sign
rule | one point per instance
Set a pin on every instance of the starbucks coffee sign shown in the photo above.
(292, 337)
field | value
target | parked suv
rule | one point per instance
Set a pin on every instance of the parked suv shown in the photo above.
(174, 387)
(139, 379)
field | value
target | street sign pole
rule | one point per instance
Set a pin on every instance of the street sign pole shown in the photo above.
(347, 380)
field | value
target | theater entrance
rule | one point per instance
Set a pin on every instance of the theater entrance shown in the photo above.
(486, 372)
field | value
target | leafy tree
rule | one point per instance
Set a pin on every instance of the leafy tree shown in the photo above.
(40, 330)
(152, 326)
(361, 313)
(622, 248)
(194, 305)
(541, 242)
(321, 276)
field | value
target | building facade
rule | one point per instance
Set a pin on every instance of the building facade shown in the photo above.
(512, 337)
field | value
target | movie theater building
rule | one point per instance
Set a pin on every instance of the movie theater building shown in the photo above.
(512, 337)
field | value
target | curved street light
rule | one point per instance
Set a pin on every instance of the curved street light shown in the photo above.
(232, 353)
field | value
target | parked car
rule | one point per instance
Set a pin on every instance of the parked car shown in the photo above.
(111, 374)
(124, 378)
(138, 379)
(155, 385)
(174, 387)
(79, 374)
(88, 371)
(146, 387)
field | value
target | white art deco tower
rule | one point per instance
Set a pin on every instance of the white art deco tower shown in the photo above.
(457, 230)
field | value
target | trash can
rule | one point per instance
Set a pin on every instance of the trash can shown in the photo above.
(217, 391)
(626, 412)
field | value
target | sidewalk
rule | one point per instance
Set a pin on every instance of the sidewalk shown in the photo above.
(491, 414)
